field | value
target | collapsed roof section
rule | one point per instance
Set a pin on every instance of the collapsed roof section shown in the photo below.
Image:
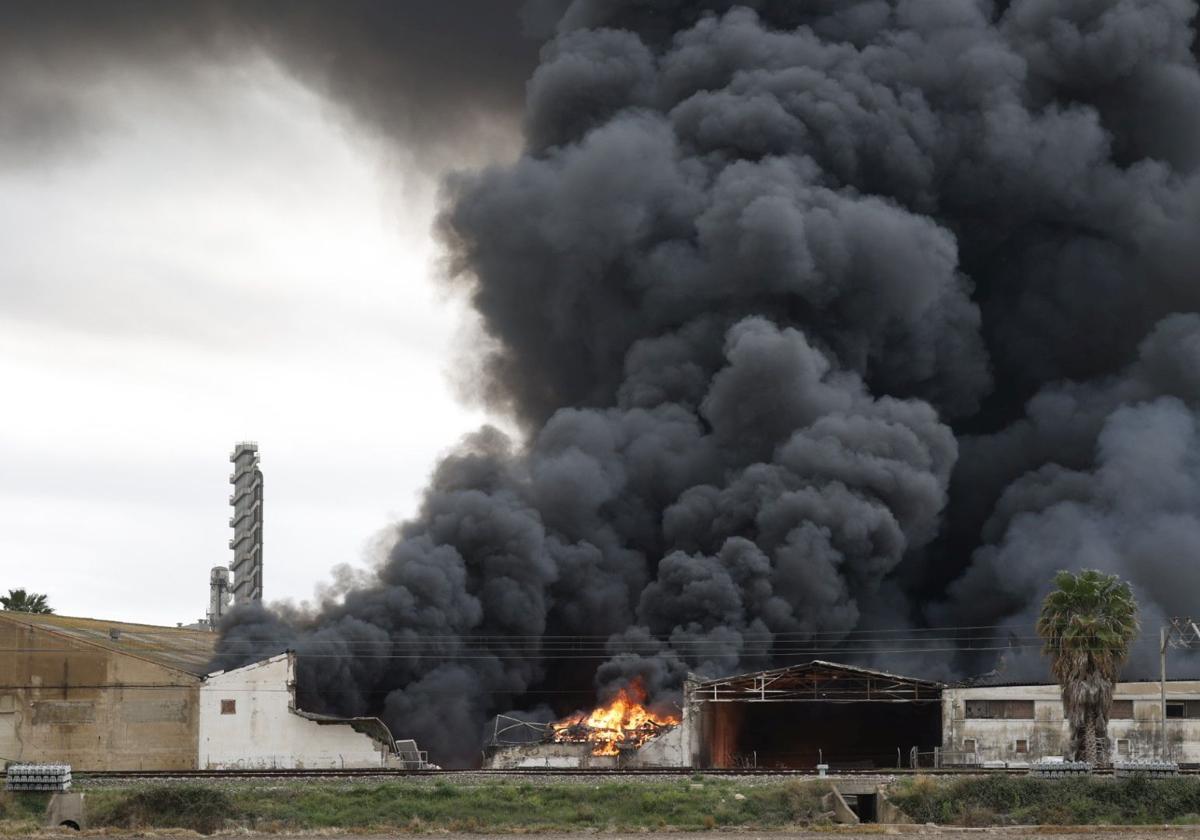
(817, 681)
(249, 719)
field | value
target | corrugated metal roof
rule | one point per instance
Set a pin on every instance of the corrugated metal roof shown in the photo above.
(180, 648)
(821, 664)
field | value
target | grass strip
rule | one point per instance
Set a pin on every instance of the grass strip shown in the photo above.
(1015, 800)
(515, 806)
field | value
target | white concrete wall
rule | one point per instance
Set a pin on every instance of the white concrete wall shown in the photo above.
(665, 750)
(265, 732)
(569, 756)
(1048, 733)
(690, 726)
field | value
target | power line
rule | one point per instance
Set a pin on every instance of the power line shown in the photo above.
(604, 654)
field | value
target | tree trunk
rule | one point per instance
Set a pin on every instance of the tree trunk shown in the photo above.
(1089, 740)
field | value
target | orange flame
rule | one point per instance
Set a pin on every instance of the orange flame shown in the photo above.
(623, 721)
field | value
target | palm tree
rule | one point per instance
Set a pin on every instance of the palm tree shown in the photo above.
(1087, 623)
(18, 600)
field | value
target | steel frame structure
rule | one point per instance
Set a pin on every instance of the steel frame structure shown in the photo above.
(818, 682)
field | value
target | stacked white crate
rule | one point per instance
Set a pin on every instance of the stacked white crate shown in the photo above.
(1145, 767)
(1059, 769)
(44, 777)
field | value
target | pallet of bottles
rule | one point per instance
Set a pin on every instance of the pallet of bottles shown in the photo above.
(1059, 769)
(44, 777)
(1145, 767)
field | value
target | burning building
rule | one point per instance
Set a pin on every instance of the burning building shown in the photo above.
(622, 733)
(848, 718)
(813, 319)
(622, 723)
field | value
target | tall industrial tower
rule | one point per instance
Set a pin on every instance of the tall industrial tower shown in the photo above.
(218, 595)
(247, 524)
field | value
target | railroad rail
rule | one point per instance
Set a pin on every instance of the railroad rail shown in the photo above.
(390, 772)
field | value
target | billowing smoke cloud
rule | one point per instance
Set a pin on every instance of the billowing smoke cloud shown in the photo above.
(443, 79)
(818, 318)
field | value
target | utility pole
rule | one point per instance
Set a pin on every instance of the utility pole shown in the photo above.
(1180, 633)
(1162, 661)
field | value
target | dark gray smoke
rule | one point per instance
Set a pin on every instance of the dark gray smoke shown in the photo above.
(820, 318)
(442, 78)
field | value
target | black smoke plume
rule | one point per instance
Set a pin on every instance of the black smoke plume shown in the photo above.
(441, 78)
(819, 318)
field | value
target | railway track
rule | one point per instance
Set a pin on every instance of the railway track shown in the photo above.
(380, 772)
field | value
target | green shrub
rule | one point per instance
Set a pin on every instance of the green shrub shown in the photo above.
(22, 807)
(1074, 801)
(197, 807)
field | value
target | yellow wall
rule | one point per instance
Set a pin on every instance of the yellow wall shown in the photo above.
(67, 701)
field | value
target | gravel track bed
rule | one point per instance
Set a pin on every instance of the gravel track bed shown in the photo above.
(466, 779)
(1125, 833)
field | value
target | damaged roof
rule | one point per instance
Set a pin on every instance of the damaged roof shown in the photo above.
(819, 680)
(372, 727)
(178, 648)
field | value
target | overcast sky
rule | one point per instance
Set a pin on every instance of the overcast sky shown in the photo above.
(221, 258)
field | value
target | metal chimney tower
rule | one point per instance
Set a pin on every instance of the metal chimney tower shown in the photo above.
(247, 524)
(218, 595)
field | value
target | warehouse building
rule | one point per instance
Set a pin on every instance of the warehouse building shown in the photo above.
(849, 717)
(804, 715)
(107, 695)
(794, 717)
(1017, 724)
(249, 720)
(101, 695)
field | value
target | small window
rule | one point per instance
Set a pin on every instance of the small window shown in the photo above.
(1176, 709)
(1021, 745)
(1121, 710)
(1019, 710)
(979, 709)
(1123, 748)
(1000, 709)
(969, 745)
(229, 707)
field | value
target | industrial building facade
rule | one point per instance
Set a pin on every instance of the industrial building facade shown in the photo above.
(1017, 724)
(847, 717)
(249, 720)
(810, 714)
(105, 695)
(102, 695)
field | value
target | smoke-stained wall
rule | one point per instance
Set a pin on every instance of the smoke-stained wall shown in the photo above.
(818, 318)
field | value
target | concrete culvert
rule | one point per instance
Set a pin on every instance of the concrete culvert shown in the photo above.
(65, 810)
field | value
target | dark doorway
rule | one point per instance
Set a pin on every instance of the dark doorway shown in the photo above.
(856, 735)
(865, 806)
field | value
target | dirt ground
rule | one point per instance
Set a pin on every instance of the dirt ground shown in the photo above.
(873, 833)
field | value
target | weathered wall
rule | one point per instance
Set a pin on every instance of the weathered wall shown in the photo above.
(665, 750)
(262, 730)
(691, 724)
(548, 755)
(95, 709)
(1047, 732)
